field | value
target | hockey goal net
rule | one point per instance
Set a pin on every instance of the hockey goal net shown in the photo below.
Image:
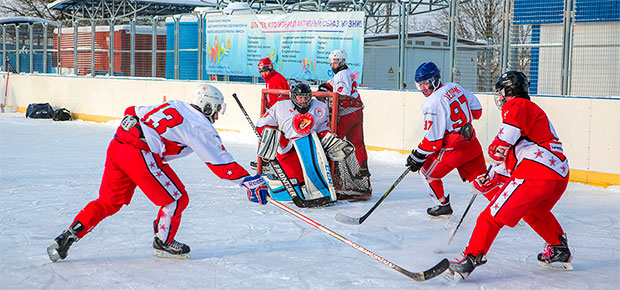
(347, 184)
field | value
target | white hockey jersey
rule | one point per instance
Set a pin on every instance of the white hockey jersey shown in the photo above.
(345, 83)
(175, 129)
(293, 124)
(446, 110)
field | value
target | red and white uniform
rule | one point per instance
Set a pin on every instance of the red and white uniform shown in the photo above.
(446, 111)
(293, 125)
(539, 176)
(351, 117)
(275, 80)
(136, 158)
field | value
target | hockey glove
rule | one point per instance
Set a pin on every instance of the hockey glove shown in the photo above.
(415, 160)
(257, 188)
(335, 148)
(324, 88)
(498, 151)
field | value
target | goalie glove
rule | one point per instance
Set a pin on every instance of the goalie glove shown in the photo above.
(335, 148)
(257, 188)
(415, 160)
(269, 141)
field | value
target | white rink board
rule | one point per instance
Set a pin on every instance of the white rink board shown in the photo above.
(588, 127)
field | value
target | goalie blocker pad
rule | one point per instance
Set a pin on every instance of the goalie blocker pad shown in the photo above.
(269, 141)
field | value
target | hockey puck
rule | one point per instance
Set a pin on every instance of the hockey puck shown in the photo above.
(438, 251)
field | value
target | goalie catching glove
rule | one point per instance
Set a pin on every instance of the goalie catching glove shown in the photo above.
(335, 148)
(257, 188)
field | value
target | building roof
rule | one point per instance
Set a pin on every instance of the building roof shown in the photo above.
(25, 19)
(105, 9)
(387, 36)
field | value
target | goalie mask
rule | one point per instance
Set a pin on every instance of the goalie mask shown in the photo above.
(209, 101)
(301, 96)
(511, 84)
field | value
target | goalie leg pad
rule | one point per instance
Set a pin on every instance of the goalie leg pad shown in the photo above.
(278, 191)
(335, 148)
(269, 142)
(317, 174)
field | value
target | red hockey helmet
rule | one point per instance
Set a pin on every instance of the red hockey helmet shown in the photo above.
(265, 64)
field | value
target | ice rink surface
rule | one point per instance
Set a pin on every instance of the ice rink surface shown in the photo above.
(50, 170)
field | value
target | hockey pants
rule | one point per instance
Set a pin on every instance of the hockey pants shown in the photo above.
(127, 167)
(531, 200)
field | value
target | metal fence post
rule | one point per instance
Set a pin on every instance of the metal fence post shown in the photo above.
(402, 49)
(132, 48)
(93, 31)
(3, 47)
(452, 39)
(111, 48)
(201, 40)
(506, 35)
(75, 47)
(45, 47)
(567, 46)
(176, 46)
(154, 47)
(17, 62)
(31, 44)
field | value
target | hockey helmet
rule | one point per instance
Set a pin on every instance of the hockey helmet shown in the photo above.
(209, 101)
(427, 72)
(339, 55)
(511, 84)
(265, 64)
(301, 96)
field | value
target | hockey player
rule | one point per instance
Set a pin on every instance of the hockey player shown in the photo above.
(273, 80)
(529, 148)
(295, 119)
(449, 138)
(147, 137)
(350, 113)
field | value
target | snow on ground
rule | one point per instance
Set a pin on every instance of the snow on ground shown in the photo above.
(50, 170)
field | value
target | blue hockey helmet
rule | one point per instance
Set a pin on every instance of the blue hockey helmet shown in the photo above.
(428, 72)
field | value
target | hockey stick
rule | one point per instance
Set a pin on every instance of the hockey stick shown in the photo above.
(418, 276)
(471, 201)
(357, 221)
(277, 168)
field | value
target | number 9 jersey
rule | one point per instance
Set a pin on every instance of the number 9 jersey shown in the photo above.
(446, 111)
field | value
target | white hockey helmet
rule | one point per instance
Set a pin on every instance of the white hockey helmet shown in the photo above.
(208, 100)
(340, 55)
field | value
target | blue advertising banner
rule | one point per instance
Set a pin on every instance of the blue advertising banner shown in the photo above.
(297, 43)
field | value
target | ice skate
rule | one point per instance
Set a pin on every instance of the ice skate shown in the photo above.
(460, 269)
(174, 249)
(59, 249)
(556, 257)
(442, 210)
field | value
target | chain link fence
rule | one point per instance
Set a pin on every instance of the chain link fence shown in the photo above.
(566, 47)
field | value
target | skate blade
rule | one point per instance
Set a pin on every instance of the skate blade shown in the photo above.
(166, 255)
(52, 251)
(562, 266)
(441, 217)
(452, 276)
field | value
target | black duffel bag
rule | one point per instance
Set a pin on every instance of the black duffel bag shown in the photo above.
(61, 114)
(39, 111)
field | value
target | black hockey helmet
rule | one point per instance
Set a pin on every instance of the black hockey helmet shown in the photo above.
(301, 96)
(511, 84)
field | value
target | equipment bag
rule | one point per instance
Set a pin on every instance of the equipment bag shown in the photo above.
(39, 111)
(62, 114)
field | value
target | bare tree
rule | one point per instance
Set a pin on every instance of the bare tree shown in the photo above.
(32, 8)
(482, 20)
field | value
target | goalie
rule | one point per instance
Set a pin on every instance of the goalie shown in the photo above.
(296, 133)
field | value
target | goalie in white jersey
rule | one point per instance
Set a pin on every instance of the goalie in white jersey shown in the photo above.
(296, 119)
(148, 137)
(449, 138)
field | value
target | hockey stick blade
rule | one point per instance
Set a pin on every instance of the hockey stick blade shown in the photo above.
(357, 221)
(348, 220)
(431, 273)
